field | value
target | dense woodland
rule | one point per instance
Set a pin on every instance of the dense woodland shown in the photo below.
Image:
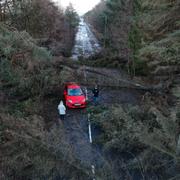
(32, 32)
(140, 38)
(50, 25)
(143, 33)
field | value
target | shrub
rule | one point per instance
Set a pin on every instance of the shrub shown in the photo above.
(7, 75)
(14, 42)
(23, 63)
(131, 128)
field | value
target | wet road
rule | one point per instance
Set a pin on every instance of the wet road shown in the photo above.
(75, 128)
(86, 43)
(76, 132)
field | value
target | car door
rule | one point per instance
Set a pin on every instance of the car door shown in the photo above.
(65, 93)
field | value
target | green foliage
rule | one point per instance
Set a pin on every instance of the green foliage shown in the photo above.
(14, 42)
(28, 151)
(163, 53)
(34, 16)
(137, 7)
(20, 55)
(139, 67)
(17, 109)
(15, 71)
(41, 54)
(97, 110)
(145, 132)
(71, 23)
(7, 75)
(112, 20)
(44, 21)
(113, 8)
(176, 92)
(31, 75)
(117, 124)
(175, 34)
(71, 16)
(135, 36)
(160, 44)
(97, 17)
(25, 108)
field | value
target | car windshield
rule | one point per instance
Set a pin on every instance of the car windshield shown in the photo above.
(75, 92)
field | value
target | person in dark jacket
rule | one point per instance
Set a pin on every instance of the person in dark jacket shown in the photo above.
(95, 92)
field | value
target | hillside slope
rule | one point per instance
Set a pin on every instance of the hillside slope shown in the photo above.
(160, 25)
(143, 33)
(111, 21)
(29, 75)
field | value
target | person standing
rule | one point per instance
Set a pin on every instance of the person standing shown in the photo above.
(95, 92)
(62, 110)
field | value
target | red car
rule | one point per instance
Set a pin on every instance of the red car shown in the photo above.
(74, 96)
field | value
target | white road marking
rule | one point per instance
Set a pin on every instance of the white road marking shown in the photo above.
(86, 92)
(93, 169)
(90, 134)
(89, 125)
(90, 140)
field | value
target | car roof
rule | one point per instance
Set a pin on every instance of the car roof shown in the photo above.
(72, 85)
